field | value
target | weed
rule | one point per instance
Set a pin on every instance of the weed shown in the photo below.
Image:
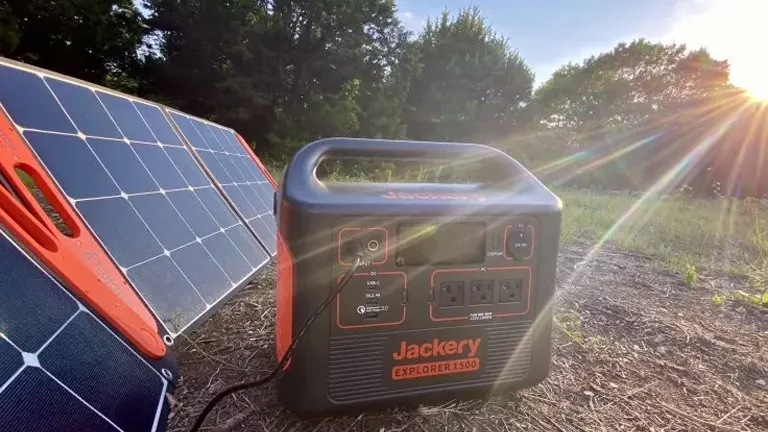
(689, 275)
(569, 322)
(754, 299)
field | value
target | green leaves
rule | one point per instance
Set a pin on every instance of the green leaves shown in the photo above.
(470, 82)
(627, 86)
(87, 39)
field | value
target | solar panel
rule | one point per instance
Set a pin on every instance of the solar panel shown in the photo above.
(61, 368)
(139, 190)
(236, 173)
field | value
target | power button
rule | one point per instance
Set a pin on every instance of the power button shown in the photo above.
(519, 243)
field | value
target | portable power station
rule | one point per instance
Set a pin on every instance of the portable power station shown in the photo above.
(450, 299)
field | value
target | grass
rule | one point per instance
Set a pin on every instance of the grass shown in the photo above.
(687, 236)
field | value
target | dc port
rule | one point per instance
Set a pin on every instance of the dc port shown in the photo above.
(373, 245)
(351, 248)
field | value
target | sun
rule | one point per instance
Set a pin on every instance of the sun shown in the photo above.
(759, 92)
(731, 30)
(751, 74)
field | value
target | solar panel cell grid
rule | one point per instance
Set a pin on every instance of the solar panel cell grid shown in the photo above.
(140, 191)
(236, 173)
(60, 367)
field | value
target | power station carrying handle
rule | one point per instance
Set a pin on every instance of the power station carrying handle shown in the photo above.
(498, 167)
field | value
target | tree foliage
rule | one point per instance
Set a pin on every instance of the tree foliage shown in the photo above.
(87, 39)
(625, 87)
(470, 81)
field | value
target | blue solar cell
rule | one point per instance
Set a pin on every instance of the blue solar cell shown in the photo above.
(255, 255)
(60, 368)
(190, 132)
(177, 303)
(241, 202)
(216, 207)
(35, 402)
(200, 220)
(127, 117)
(10, 360)
(217, 169)
(69, 358)
(249, 171)
(260, 227)
(187, 166)
(237, 147)
(271, 223)
(84, 108)
(158, 124)
(26, 97)
(231, 168)
(205, 131)
(235, 265)
(123, 165)
(32, 308)
(226, 143)
(209, 279)
(163, 220)
(160, 166)
(255, 195)
(122, 231)
(64, 154)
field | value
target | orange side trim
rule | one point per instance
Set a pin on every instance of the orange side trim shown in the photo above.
(258, 161)
(285, 287)
(284, 313)
(78, 260)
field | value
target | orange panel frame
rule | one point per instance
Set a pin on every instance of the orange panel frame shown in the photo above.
(258, 161)
(78, 260)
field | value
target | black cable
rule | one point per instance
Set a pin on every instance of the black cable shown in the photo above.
(288, 353)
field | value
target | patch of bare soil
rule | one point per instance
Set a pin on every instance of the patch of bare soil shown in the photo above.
(634, 350)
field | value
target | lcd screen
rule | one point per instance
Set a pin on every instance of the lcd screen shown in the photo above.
(452, 243)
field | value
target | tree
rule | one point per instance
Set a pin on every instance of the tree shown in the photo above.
(470, 81)
(282, 72)
(625, 87)
(87, 39)
(633, 115)
(9, 28)
(217, 60)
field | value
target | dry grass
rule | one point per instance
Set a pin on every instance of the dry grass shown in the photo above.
(636, 348)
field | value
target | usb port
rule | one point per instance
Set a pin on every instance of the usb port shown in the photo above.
(371, 315)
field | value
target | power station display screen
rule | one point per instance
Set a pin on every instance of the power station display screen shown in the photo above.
(440, 244)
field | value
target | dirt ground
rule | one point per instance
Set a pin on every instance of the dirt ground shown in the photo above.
(634, 350)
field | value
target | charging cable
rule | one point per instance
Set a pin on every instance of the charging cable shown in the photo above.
(288, 353)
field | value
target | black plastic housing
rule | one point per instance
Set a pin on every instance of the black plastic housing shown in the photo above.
(350, 359)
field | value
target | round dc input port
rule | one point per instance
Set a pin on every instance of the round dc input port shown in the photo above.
(373, 245)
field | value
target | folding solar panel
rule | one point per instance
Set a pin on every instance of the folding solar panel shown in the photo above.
(61, 367)
(235, 172)
(139, 189)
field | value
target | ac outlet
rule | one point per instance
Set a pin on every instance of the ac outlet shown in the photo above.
(481, 292)
(451, 294)
(511, 291)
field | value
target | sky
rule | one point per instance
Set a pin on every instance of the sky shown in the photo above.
(549, 33)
